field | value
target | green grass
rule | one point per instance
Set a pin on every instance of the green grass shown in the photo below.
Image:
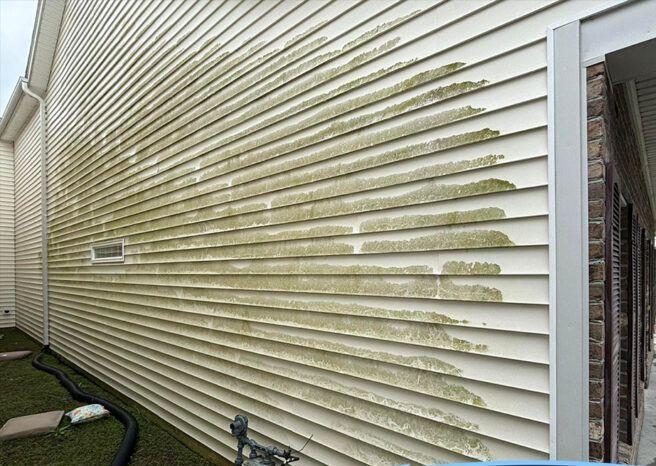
(25, 390)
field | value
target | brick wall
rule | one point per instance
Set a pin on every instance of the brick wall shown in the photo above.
(611, 143)
(598, 153)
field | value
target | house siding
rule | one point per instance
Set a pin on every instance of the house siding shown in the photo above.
(27, 172)
(335, 220)
(7, 280)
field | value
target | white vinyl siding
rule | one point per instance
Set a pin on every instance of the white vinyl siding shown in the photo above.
(334, 214)
(7, 280)
(29, 291)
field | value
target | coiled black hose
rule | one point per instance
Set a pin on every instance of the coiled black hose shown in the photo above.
(129, 422)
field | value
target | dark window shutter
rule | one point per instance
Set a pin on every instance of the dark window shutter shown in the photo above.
(629, 313)
(643, 305)
(613, 330)
(633, 317)
(639, 362)
(650, 297)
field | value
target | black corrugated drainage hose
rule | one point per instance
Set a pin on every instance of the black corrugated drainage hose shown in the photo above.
(129, 422)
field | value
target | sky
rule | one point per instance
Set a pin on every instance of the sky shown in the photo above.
(16, 24)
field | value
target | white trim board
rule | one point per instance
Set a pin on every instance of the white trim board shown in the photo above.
(571, 47)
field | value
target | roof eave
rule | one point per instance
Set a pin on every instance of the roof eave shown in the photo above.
(44, 40)
(19, 109)
(49, 16)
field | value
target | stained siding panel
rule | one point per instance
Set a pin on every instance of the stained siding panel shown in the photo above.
(7, 279)
(335, 218)
(29, 291)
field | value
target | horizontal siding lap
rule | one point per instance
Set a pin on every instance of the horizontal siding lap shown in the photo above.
(335, 218)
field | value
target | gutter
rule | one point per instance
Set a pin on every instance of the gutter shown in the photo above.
(44, 209)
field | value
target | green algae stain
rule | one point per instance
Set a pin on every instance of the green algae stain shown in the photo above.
(430, 335)
(366, 401)
(319, 116)
(367, 183)
(436, 433)
(208, 261)
(250, 237)
(335, 128)
(378, 30)
(421, 221)
(218, 219)
(426, 98)
(369, 395)
(428, 363)
(279, 81)
(431, 192)
(320, 247)
(373, 397)
(441, 428)
(354, 143)
(371, 365)
(329, 393)
(330, 306)
(360, 101)
(291, 179)
(450, 290)
(442, 241)
(415, 286)
(449, 438)
(470, 268)
(303, 35)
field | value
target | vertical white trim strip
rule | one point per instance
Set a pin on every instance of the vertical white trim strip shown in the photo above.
(568, 248)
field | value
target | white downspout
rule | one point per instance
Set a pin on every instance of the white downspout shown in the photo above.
(44, 209)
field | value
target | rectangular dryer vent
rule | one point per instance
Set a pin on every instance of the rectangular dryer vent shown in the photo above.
(108, 252)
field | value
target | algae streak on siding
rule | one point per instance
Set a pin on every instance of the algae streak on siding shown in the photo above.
(323, 219)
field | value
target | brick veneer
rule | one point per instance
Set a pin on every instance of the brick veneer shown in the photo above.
(611, 140)
(598, 131)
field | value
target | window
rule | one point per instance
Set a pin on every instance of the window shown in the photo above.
(108, 252)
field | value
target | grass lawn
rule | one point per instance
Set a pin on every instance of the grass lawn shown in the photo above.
(25, 390)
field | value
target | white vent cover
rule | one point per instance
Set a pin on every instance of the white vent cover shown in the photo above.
(108, 252)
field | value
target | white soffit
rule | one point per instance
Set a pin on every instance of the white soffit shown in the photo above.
(635, 67)
(645, 90)
(17, 112)
(44, 41)
(20, 116)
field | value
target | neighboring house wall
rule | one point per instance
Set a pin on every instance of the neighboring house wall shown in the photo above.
(27, 171)
(614, 169)
(335, 219)
(7, 280)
